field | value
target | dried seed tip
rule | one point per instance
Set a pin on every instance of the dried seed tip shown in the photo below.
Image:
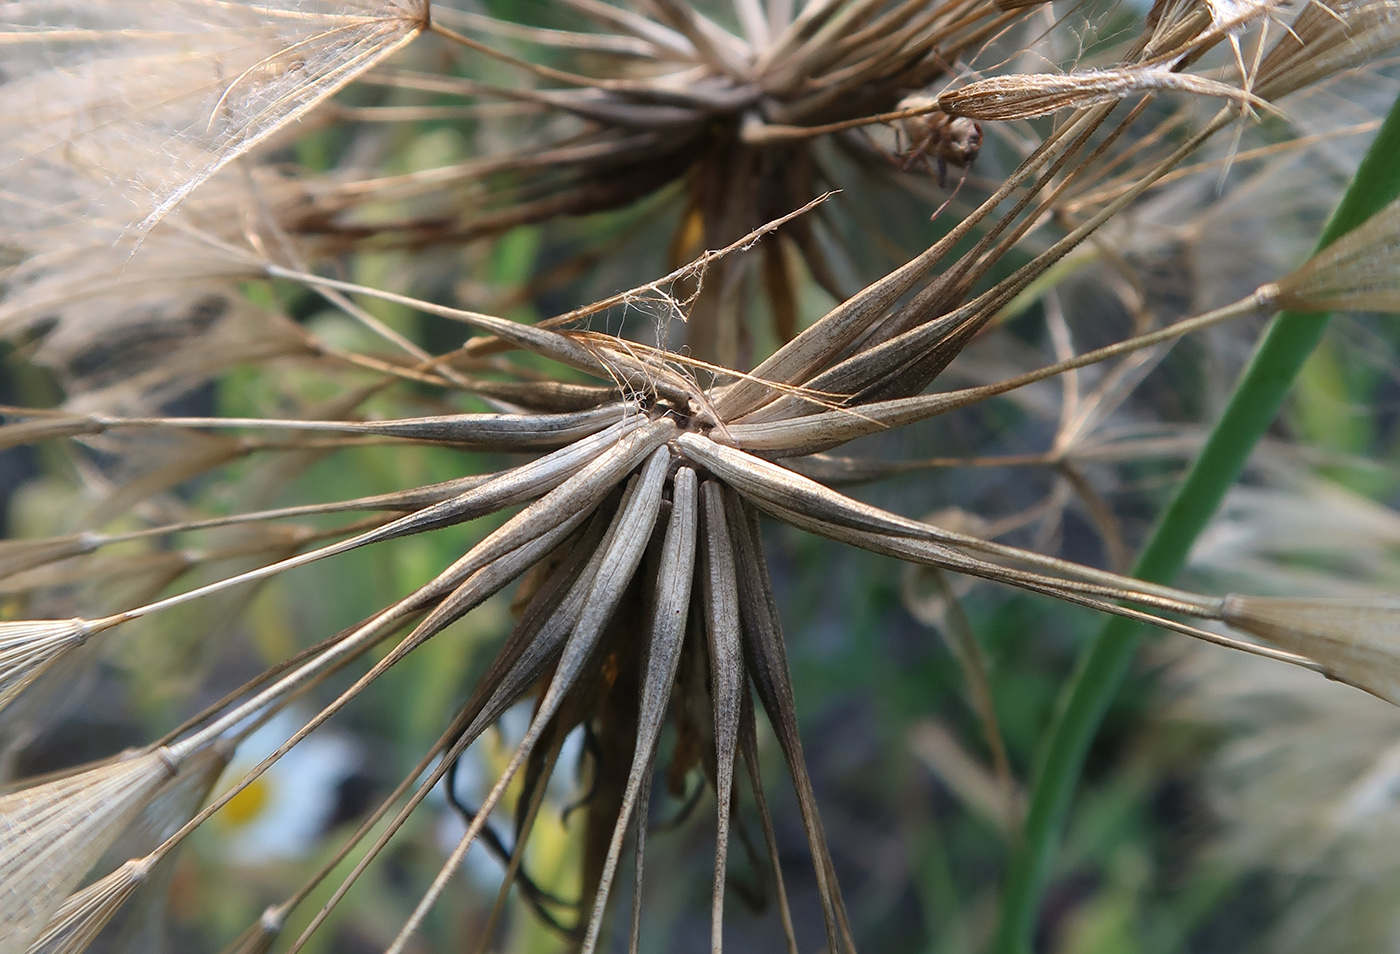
(1358, 640)
(28, 647)
(1027, 95)
(47, 427)
(19, 555)
(1327, 38)
(259, 938)
(1358, 272)
(51, 834)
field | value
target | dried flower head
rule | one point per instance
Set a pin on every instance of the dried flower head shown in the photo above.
(620, 477)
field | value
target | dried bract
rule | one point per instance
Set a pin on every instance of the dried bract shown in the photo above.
(1029, 95)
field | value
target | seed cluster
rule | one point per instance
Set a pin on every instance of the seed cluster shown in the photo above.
(636, 473)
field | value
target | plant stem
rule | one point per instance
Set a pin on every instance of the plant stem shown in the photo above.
(1252, 408)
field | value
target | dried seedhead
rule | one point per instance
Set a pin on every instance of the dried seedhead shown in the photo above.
(621, 476)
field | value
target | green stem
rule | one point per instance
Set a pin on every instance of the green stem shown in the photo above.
(1253, 407)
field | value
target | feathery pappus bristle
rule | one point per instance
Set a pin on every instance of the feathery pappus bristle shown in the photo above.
(1358, 272)
(28, 647)
(1327, 38)
(154, 98)
(1358, 640)
(82, 917)
(52, 834)
(86, 913)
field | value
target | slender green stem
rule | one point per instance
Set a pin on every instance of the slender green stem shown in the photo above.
(1252, 408)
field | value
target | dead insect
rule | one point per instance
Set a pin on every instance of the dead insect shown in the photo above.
(936, 139)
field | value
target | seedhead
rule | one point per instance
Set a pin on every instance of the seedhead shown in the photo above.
(621, 474)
